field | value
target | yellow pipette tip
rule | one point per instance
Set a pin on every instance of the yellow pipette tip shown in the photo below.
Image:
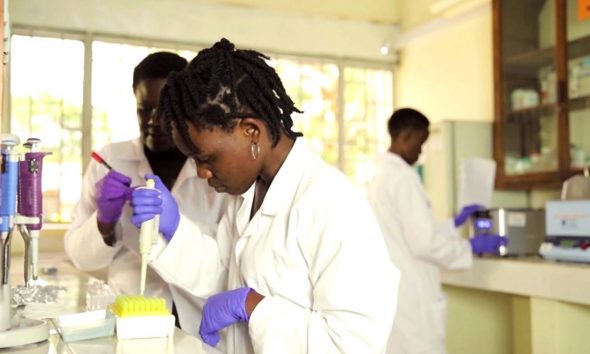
(133, 305)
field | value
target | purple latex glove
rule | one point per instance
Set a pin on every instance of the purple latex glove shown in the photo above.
(465, 213)
(486, 243)
(146, 203)
(222, 310)
(112, 191)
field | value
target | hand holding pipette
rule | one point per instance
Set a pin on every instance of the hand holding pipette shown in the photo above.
(147, 203)
(147, 237)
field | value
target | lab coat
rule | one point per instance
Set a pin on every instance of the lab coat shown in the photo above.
(419, 247)
(84, 244)
(314, 250)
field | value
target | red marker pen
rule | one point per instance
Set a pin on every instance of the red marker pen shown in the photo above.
(100, 160)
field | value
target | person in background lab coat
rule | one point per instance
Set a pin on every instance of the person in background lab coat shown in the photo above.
(417, 244)
(101, 234)
(298, 263)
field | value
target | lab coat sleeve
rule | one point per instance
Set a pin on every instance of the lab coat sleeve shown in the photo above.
(192, 259)
(354, 293)
(427, 240)
(83, 243)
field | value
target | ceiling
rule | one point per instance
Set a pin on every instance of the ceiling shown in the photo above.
(376, 11)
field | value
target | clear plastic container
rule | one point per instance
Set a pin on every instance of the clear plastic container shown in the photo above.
(86, 325)
(99, 295)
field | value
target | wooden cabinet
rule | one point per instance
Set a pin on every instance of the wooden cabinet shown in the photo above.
(542, 91)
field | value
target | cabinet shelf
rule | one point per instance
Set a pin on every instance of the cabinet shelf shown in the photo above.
(578, 47)
(531, 111)
(578, 103)
(530, 62)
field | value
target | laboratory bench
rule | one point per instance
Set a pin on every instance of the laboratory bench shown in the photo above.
(518, 305)
(57, 270)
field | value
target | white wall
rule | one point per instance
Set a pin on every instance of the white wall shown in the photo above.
(446, 68)
(205, 23)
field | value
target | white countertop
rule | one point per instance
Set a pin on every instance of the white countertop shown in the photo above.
(532, 276)
(74, 299)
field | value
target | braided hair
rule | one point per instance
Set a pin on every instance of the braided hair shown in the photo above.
(222, 84)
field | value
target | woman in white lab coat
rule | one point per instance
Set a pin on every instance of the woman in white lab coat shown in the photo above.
(92, 244)
(417, 244)
(298, 264)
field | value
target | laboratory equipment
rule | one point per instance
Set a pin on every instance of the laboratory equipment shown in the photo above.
(568, 231)
(99, 295)
(577, 187)
(13, 331)
(141, 317)
(8, 186)
(568, 222)
(147, 237)
(30, 204)
(524, 228)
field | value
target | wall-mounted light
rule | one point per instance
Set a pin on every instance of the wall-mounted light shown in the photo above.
(388, 47)
(385, 48)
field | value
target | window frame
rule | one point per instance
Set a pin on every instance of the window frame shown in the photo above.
(88, 39)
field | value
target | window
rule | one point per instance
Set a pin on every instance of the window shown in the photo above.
(345, 107)
(347, 135)
(47, 102)
(46, 85)
(368, 104)
(114, 115)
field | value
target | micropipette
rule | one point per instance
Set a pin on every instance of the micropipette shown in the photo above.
(148, 234)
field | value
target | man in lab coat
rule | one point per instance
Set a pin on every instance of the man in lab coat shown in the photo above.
(417, 244)
(102, 235)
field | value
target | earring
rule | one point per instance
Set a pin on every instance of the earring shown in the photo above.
(254, 150)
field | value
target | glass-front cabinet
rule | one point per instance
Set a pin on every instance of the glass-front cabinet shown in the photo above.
(542, 91)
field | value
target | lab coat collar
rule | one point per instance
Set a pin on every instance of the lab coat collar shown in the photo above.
(135, 153)
(284, 185)
(391, 156)
(243, 215)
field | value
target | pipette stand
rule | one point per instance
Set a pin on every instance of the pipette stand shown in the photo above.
(14, 331)
(30, 204)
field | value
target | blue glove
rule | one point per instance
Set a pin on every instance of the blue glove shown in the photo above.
(222, 310)
(112, 191)
(486, 243)
(465, 213)
(146, 203)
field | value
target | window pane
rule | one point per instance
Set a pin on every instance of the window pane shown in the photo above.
(46, 87)
(314, 89)
(368, 97)
(113, 102)
(368, 103)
